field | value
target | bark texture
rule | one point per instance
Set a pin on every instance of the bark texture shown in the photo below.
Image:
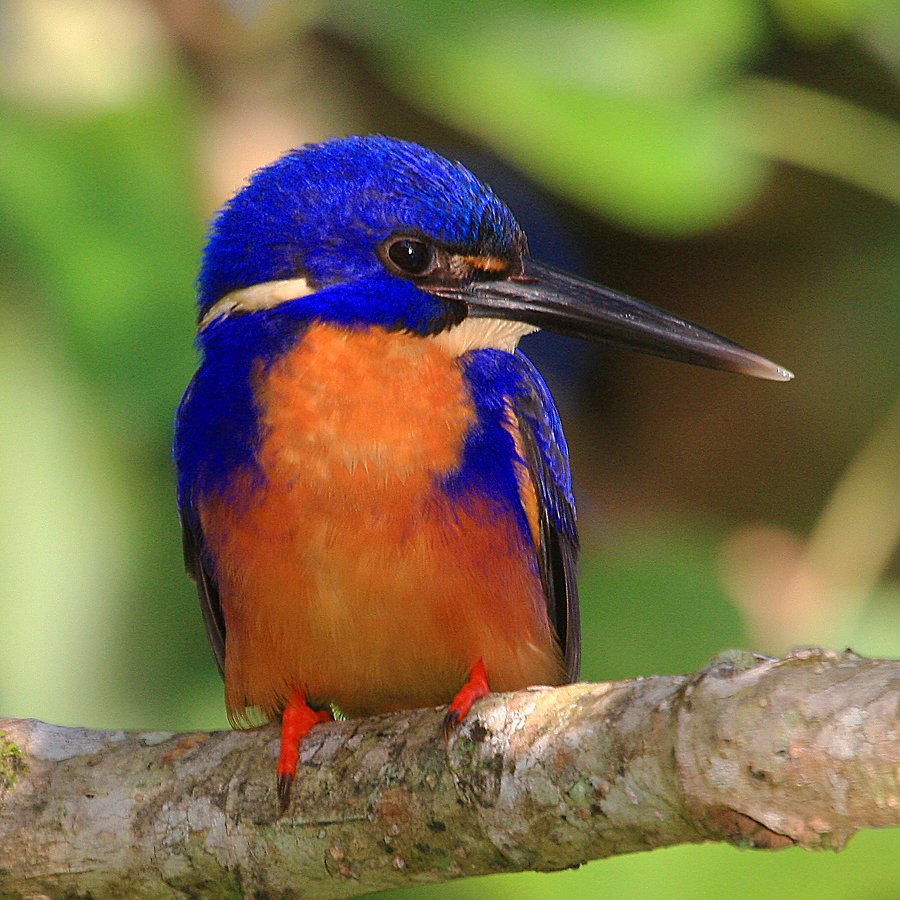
(766, 753)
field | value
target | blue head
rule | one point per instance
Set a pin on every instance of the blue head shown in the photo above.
(357, 232)
(387, 216)
(376, 231)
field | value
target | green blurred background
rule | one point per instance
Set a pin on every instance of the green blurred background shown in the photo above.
(735, 161)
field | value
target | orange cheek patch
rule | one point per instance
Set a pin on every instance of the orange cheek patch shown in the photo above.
(490, 264)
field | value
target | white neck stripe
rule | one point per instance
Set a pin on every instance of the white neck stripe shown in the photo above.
(471, 334)
(258, 296)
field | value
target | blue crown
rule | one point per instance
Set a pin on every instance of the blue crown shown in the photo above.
(322, 210)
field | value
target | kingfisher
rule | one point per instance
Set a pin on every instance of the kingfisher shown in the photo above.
(373, 481)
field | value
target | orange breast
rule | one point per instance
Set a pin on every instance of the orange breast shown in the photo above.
(349, 572)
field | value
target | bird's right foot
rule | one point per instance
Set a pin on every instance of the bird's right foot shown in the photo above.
(296, 721)
(476, 687)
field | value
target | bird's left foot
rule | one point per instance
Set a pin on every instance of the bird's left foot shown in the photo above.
(296, 721)
(474, 689)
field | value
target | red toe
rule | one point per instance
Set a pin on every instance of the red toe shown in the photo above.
(296, 721)
(476, 687)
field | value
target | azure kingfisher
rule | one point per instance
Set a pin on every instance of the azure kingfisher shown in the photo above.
(373, 481)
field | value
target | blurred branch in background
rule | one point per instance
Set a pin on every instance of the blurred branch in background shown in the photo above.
(795, 591)
(824, 134)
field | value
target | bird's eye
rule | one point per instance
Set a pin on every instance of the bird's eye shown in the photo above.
(412, 256)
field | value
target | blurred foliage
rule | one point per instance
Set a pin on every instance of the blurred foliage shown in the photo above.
(620, 106)
(99, 229)
(651, 136)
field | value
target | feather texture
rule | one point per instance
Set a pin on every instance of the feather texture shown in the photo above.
(373, 486)
(368, 565)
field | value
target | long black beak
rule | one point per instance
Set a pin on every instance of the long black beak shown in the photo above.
(564, 304)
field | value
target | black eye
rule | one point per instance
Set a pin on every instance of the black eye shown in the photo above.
(411, 256)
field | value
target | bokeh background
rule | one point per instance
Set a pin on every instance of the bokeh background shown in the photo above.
(735, 161)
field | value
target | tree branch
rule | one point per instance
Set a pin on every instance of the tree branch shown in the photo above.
(766, 753)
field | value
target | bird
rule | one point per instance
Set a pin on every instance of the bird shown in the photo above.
(373, 482)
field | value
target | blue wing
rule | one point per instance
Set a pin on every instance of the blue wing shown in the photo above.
(207, 589)
(502, 383)
(547, 460)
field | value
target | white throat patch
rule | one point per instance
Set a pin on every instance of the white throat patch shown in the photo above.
(482, 334)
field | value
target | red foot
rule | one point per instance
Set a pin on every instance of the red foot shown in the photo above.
(296, 721)
(476, 687)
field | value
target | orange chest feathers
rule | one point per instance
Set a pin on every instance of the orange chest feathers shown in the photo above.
(348, 572)
(363, 408)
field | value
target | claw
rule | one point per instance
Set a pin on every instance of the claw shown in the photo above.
(296, 721)
(451, 720)
(283, 782)
(476, 687)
